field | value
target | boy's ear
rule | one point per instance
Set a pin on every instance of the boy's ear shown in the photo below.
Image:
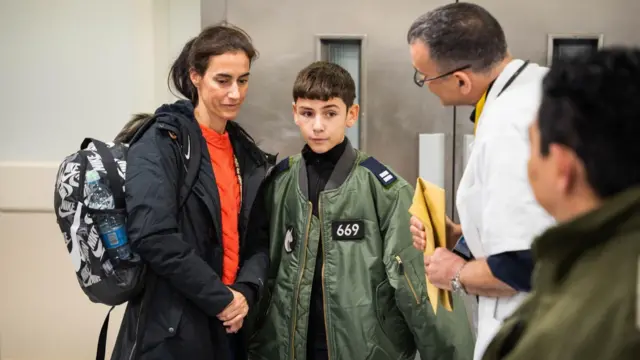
(294, 111)
(352, 115)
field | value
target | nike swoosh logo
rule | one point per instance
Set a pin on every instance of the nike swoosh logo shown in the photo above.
(188, 154)
(71, 170)
(64, 214)
(66, 177)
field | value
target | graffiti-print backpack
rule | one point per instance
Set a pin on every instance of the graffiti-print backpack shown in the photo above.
(100, 280)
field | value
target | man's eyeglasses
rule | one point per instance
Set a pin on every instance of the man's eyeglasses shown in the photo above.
(420, 79)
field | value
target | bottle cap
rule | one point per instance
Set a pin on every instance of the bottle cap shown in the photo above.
(92, 176)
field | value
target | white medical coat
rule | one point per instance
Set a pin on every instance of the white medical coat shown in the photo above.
(495, 203)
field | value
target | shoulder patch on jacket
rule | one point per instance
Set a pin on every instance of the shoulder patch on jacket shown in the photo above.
(382, 173)
(280, 167)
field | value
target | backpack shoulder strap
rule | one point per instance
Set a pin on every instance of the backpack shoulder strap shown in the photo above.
(143, 128)
(187, 138)
(102, 339)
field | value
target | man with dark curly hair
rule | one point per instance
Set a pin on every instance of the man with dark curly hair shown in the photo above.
(584, 171)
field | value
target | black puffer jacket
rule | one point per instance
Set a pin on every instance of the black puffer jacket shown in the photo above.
(183, 249)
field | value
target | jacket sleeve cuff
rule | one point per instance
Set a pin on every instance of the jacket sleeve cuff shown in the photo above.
(248, 291)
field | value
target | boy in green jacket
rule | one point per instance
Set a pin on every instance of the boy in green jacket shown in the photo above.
(345, 282)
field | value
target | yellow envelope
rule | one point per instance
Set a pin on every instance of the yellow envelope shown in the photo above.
(429, 206)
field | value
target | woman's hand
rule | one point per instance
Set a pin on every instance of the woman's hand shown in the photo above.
(233, 315)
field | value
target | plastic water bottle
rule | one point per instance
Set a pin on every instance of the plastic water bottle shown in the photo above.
(111, 226)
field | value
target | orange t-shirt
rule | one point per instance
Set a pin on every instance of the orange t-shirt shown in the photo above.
(224, 168)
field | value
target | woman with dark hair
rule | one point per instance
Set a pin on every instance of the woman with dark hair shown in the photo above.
(204, 268)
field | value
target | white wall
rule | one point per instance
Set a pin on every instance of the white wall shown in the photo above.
(76, 68)
(69, 69)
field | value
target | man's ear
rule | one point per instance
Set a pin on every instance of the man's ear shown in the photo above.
(352, 115)
(464, 82)
(567, 167)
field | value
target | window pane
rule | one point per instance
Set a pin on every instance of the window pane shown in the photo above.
(346, 53)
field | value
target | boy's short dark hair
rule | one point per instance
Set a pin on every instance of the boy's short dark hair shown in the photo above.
(323, 81)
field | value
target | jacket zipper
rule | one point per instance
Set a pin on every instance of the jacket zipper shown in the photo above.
(401, 270)
(324, 297)
(297, 289)
(135, 343)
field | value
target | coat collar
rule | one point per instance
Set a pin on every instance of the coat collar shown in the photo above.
(500, 82)
(338, 176)
(502, 79)
(332, 156)
(558, 248)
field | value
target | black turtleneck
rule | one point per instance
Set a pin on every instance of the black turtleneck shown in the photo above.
(319, 169)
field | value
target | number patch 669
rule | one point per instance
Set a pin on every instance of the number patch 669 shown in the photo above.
(347, 230)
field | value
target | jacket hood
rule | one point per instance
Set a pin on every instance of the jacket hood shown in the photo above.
(180, 107)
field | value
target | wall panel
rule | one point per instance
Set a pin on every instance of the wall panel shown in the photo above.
(43, 312)
(394, 108)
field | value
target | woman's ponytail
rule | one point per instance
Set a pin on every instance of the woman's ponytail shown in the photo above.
(179, 77)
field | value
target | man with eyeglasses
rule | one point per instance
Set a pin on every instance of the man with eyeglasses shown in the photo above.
(459, 52)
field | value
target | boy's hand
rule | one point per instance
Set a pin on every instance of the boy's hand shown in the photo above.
(454, 231)
(233, 315)
(417, 234)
